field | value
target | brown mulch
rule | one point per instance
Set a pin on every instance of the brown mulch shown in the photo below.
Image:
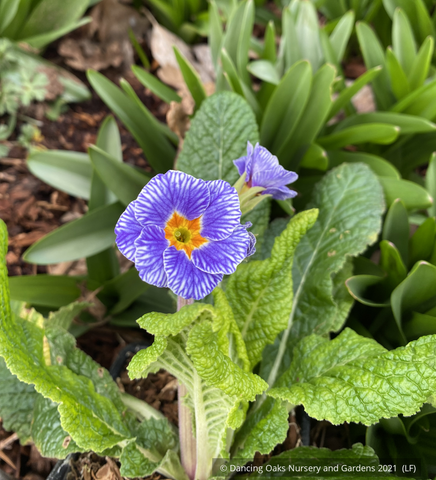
(31, 208)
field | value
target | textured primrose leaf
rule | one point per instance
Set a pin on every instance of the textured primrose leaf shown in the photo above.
(354, 379)
(47, 433)
(155, 446)
(358, 455)
(91, 419)
(166, 324)
(17, 400)
(140, 365)
(263, 429)
(218, 135)
(134, 464)
(218, 370)
(341, 297)
(260, 292)
(63, 351)
(351, 204)
(232, 340)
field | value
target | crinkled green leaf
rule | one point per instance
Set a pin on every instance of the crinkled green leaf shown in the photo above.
(173, 323)
(358, 456)
(91, 419)
(263, 430)
(17, 401)
(350, 201)
(63, 351)
(47, 433)
(134, 464)
(354, 379)
(233, 340)
(218, 135)
(140, 363)
(156, 444)
(216, 369)
(260, 292)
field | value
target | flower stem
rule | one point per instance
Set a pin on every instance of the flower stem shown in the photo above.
(188, 448)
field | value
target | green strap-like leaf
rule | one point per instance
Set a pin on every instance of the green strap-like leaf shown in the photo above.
(122, 179)
(69, 172)
(374, 56)
(354, 379)
(90, 234)
(286, 106)
(191, 78)
(52, 291)
(155, 145)
(165, 93)
(260, 292)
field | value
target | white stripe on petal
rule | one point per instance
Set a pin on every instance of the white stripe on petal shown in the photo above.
(223, 213)
(169, 192)
(223, 256)
(127, 231)
(150, 247)
(185, 279)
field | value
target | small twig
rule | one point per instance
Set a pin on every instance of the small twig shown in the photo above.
(7, 441)
(7, 460)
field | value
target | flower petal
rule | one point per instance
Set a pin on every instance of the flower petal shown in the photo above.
(263, 159)
(169, 192)
(244, 164)
(127, 231)
(149, 262)
(274, 177)
(280, 193)
(223, 214)
(185, 279)
(223, 256)
(251, 250)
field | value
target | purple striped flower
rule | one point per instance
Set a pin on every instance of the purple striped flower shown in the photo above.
(263, 170)
(184, 233)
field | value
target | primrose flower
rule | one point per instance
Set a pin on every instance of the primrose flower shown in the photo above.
(262, 169)
(184, 233)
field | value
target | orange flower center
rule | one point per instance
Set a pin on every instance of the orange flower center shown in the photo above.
(184, 234)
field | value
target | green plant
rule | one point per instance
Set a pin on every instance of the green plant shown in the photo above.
(400, 287)
(39, 22)
(186, 18)
(274, 316)
(23, 80)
